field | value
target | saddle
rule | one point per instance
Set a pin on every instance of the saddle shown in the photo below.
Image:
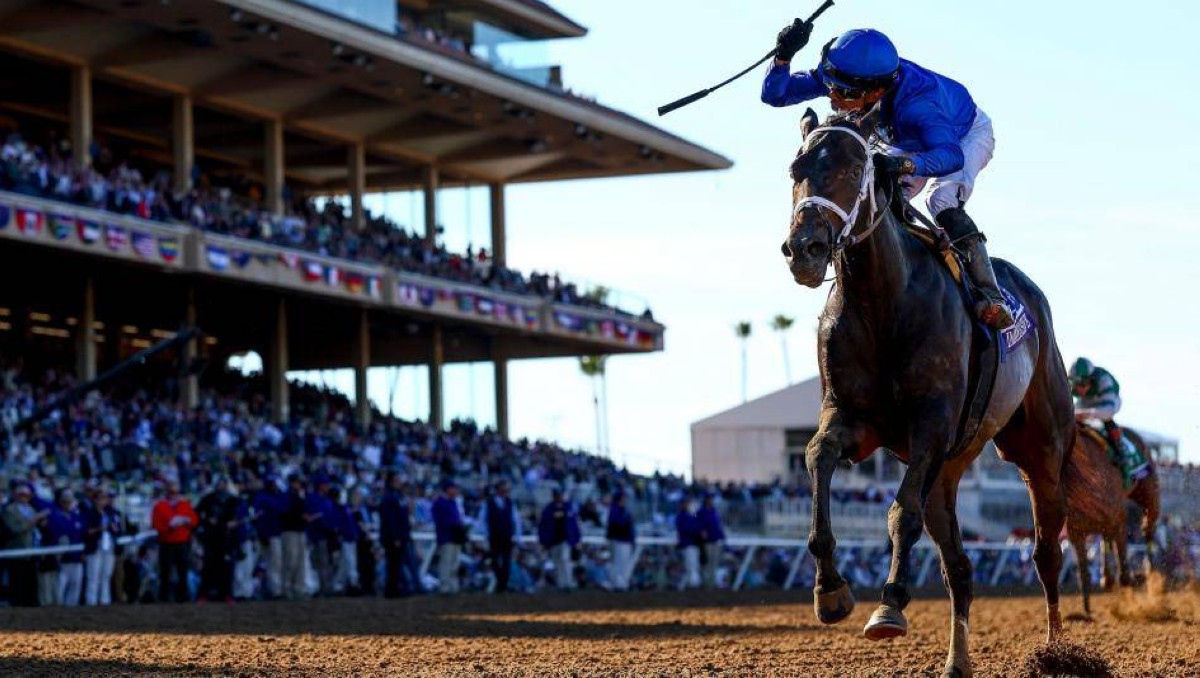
(989, 347)
(1128, 457)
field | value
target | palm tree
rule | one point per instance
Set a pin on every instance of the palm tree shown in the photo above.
(742, 330)
(781, 324)
(593, 366)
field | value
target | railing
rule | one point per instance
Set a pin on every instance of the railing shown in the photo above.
(8, 554)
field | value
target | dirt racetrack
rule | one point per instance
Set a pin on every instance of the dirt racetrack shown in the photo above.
(676, 634)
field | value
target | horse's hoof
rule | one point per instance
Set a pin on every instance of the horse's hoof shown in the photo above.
(956, 671)
(887, 622)
(834, 606)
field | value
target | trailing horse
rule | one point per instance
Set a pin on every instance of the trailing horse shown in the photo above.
(896, 361)
(1091, 482)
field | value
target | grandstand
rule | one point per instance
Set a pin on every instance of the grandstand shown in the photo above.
(163, 158)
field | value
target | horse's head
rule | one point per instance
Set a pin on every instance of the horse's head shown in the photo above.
(831, 180)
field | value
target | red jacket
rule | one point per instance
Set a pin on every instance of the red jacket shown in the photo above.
(161, 517)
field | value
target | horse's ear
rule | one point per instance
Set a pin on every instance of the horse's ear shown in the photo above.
(808, 122)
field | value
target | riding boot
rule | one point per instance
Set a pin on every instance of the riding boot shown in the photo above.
(993, 310)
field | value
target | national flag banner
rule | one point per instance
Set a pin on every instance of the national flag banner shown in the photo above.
(61, 226)
(116, 237)
(333, 276)
(466, 302)
(444, 294)
(354, 282)
(427, 296)
(645, 338)
(5, 215)
(622, 330)
(568, 321)
(264, 258)
(312, 271)
(374, 286)
(290, 260)
(89, 231)
(407, 293)
(607, 330)
(143, 244)
(484, 306)
(531, 317)
(240, 258)
(218, 258)
(30, 222)
(168, 249)
(500, 310)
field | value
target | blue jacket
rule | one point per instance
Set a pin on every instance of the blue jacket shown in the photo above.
(688, 527)
(325, 526)
(620, 525)
(109, 520)
(926, 113)
(394, 522)
(65, 527)
(559, 524)
(268, 507)
(347, 523)
(710, 524)
(447, 521)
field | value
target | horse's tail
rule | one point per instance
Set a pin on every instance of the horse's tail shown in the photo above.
(1146, 493)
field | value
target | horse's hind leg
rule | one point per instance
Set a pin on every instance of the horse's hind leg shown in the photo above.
(1107, 578)
(941, 523)
(1146, 496)
(1079, 545)
(1122, 543)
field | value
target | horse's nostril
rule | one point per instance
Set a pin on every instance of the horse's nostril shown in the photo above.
(817, 249)
(786, 249)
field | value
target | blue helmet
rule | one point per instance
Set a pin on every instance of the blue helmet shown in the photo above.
(859, 59)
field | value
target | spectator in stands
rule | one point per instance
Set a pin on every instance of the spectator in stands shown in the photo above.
(687, 526)
(21, 522)
(102, 525)
(242, 556)
(558, 533)
(395, 535)
(215, 534)
(620, 533)
(451, 532)
(361, 513)
(293, 523)
(267, 505)
(346, 578)
(173, 519)
(322, 532)
(502, 527)
(712, 539)
(65, 528)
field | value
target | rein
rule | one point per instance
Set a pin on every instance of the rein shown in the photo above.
(866, 193)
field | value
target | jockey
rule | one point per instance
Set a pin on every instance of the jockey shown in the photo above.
(1098, 396)
(935, 133)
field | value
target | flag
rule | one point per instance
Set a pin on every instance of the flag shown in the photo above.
(567, 321)
(218, 258)
(264, 258)
(354, 283)
(500, 310)
(240, 258)
(290, 260)
(466, 302)
(427, 296)
(607, 330)
(484, 306)
(333, 276)
(373, 287)
(143, 244)
(311, 271)
(168, 249)
(89, 231)
(116, 237)
(5, 214)
(406, 293)
(30, 222)
(61, 226)
(531, 317)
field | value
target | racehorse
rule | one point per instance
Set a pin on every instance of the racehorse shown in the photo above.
(895, 353)
(1091, 482)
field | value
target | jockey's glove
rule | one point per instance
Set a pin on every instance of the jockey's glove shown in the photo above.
(894, 166)
(792, 39)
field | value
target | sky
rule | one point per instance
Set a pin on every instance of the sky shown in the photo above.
(1091, 192)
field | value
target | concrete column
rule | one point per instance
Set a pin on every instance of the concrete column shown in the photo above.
(273, 164)
(356, 174)
(362, 361)
(437, 356)
(500, 368)
(278, 362)
(81, 114)
(431, 215)
(499, 246)
(183, 142)
(85, 335)
(189, 392)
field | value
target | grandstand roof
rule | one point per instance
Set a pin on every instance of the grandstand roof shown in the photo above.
(796, 406)
(412, 103)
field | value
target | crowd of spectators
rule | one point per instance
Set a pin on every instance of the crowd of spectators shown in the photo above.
(115, 185)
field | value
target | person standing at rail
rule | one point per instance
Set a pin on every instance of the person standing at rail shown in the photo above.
(451, 532)
(102, 524)
(292, 522)
(558, 533)
(621, 535)
(267, 505)
(687, 527)
(712, 539)
(21, 521)
(395, 533)
(502, 528)
(173, 519)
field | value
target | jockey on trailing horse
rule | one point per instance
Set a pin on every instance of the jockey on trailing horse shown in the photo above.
(1098, 397)
(936, 133)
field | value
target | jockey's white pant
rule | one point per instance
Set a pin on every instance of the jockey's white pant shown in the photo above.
(1101, 412)
(953, 190)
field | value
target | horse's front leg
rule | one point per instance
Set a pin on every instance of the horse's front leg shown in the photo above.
(832, 598)
(927, 450)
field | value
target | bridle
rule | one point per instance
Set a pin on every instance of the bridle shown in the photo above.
(866, 193)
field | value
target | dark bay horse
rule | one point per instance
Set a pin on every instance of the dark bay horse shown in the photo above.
(1092, 483)
(894, 347)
